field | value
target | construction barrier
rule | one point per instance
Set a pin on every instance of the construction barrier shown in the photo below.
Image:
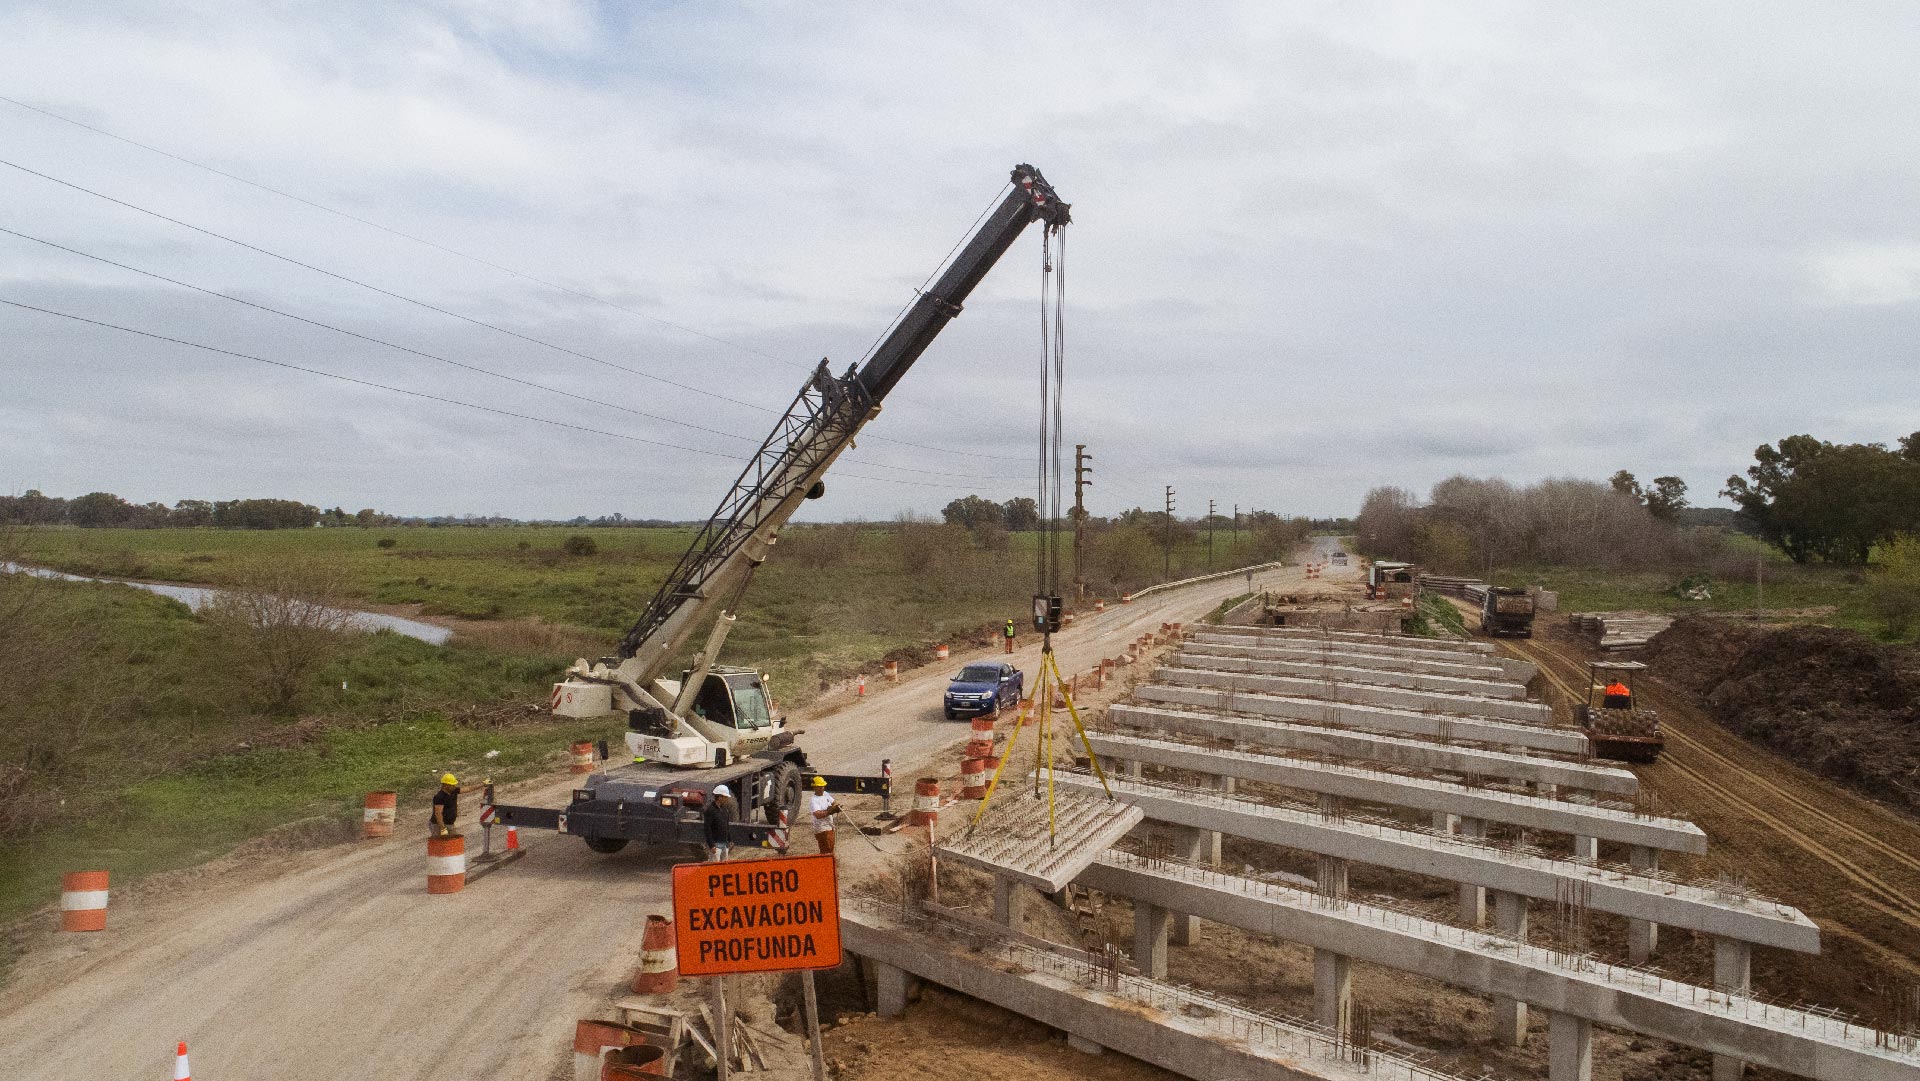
(513, 838)
(973, 777)
(1026, 712)
(978, 748)
(926, 802)
(83, 901)
(376, 820)
(593, 1039)
(659, 971)
(940, 652)
(860, 687)
(1099, 605)
(634, 1062)
(446, 864)
(892, 671)
(582, 752)
(983, 727)
(181, 1071)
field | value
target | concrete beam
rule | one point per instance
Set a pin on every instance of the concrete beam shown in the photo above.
(1473, 667)
(1223, 690)
(1607, 889)
(1394, 750)
(1795, 1041)
(1360, 694)
(1140, 1018)
(1398, 641)
(1418, 793)
(1306, 668)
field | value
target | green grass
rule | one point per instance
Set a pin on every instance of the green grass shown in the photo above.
(1434, 617)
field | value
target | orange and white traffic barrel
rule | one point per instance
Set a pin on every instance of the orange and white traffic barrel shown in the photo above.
(593, 1039)
(659, 971)
(926, 802)
(1126, 598)
(1099, 605)
(892, 671)
(446, 864)
(377, 818)
(635, 1063)
(983, 727)
(973, 778)
(940, 652)
(580, 753)
(83, 901)
(978, 748)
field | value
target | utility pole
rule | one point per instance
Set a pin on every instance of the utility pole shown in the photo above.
(1209, 536)
(1080, 482)
(1236, 531)
(1166, 542)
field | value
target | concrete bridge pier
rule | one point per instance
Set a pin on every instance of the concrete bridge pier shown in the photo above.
(1732, 971)
(1510, 1014)
(1569, 1048)
(1473, 899)
(1643, 936)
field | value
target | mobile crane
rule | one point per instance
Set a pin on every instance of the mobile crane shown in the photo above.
(715, 724)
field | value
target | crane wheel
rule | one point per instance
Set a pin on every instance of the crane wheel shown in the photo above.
(606, 846)
(787, 793)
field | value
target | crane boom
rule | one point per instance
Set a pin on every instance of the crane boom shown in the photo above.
(816, 428)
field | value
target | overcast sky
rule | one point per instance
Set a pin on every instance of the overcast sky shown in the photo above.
(1317, 247)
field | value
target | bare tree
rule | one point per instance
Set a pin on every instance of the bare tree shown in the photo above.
(278, 625)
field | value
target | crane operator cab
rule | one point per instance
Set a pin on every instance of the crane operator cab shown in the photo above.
(731, 717)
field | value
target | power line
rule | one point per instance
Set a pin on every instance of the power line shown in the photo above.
(423, 394)
(435, 357)
(349, 216)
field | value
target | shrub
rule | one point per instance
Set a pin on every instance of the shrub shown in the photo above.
(386, 542)
(580, 545)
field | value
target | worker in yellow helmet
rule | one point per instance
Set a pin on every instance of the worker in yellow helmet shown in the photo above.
(446, 804)
(823, 807)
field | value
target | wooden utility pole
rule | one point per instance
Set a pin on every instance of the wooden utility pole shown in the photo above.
(1166, 542)
(1209, 535)
(1080, 482)
(1236, 531)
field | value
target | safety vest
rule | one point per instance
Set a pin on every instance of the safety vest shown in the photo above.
(1009, 628)
(1617, 690)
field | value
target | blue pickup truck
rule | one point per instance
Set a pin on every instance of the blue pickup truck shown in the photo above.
(984, 687)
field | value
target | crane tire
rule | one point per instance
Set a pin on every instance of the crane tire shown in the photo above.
(606, 846)
(786, 792)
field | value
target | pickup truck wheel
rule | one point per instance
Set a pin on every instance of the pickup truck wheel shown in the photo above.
(949, 714)
(606, 846)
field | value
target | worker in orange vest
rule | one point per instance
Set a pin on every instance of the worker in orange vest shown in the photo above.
(1618, 696)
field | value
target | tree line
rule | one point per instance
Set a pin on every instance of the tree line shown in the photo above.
(1831, 502)
(104, 510)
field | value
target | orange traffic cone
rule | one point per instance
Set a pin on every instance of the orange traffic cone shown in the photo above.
(513, 838)
(180, 1071)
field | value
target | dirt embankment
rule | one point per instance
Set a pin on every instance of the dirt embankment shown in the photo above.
(1834, 700)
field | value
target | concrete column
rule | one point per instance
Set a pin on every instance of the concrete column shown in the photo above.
(1150, 939)
(1332, 990)
(1445, 823)
(1732, 971)
(892, 985)
(1189, 844)
(1473, 899)
(1130, 769)
(1569, 1048)
(1643, 936)
(1008, 906)
(1226, 786)
(1332, 878)
(1509, 1014)
(1584, 848)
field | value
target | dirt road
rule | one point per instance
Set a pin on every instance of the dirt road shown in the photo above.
(336, 963)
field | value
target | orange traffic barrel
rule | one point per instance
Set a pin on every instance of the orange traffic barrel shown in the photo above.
(83, 901)
(593, 1039)
(377, 818)
(983, 727)
(659, 971)
(926, 802)
(892, 671)
(978, 748)
(940, 652)
(1099, 605)
(631, 1062)
(973, 778)
(446, 864)
(582, 756)
(1126, 598)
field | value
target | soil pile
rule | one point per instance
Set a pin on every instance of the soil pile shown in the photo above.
(1835, 700)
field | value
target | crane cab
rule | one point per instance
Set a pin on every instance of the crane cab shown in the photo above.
(735, 698)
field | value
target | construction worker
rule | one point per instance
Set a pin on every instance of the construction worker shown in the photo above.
(1617, 695)
(718, 819)
(823, 807)
(1009, 636)
(446, 804)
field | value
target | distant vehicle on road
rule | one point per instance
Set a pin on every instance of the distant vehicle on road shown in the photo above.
(984, 687)
(1506, 610)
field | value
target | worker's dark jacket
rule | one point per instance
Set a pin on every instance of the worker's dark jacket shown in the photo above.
(717, 818)
(449, 804)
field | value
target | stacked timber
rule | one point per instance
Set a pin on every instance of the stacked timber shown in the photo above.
(1614, 631)
(1467, 589)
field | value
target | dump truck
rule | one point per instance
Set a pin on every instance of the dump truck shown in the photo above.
(717, 724)
(1506, 610)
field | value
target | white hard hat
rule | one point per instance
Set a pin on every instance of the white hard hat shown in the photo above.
(722, 790)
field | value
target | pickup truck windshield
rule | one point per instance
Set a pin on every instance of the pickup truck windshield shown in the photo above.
(978, 673)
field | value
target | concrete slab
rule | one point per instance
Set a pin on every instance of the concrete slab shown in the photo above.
(1228, 694)
(1017, 839)
(1398, 641)
(1462, 705)
(1798, 1042)
(1318, 669)
(1455, 859)
(1419, 793)
(1392, 750)
(1471, 665)
(1168, 1026)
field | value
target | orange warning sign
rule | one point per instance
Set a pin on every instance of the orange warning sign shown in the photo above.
(773, 915)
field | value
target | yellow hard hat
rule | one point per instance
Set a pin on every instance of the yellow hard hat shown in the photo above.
(819, 782)
(448, 778)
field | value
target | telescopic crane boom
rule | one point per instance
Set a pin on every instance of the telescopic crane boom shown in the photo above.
(684, 722)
